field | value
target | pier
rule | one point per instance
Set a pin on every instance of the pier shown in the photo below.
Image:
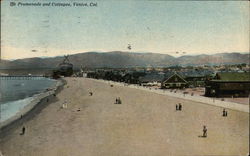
(21, 77)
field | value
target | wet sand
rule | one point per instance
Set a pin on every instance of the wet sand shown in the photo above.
(145, 124)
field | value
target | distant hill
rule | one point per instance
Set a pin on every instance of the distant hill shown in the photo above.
(119, 59)
(220, 58)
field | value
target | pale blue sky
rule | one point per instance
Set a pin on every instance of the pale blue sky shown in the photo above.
(149, 26)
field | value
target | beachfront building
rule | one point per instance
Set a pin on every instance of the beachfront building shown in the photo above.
(196, 78)
(228, 84)
(151, 79)
(174, 80)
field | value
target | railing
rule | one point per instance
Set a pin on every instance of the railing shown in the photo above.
(21, 77)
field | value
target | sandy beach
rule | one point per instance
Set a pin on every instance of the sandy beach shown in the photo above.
(145, 124)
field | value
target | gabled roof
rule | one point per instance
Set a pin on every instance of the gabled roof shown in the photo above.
(233, 76)
(171, 74)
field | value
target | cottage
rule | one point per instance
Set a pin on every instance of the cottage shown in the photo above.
(228, 84)
(174, 80)
(196, 78)
(151, 79)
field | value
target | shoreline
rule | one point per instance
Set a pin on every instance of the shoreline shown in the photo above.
(27, 111)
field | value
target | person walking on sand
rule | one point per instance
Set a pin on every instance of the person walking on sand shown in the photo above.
(90, 93)
(204, 131)
(180, 106)
(176, 107)
(23, 131)
(224, 113)
(119, 100)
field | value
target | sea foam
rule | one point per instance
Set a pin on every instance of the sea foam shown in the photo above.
(10, 109)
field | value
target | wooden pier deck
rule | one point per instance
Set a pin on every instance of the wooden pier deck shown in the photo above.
(22, 77)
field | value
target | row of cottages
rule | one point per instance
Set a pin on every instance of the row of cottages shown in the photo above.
(197, 78)
(228, 84)
(151, 79)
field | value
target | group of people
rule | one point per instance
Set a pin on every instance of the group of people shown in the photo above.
(178, 107)
(118, 100)
(224, 113)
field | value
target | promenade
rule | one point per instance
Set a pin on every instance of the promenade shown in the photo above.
(146, 123)
(178, 94)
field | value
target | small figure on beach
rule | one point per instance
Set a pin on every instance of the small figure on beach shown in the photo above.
(204, 131)
(23, 131)
(90, 93)
(180, 106)
(118, 100)
(224, 113)
(47, 99)
(64, 105)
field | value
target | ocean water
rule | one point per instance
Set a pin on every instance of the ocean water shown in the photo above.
(16, 94)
